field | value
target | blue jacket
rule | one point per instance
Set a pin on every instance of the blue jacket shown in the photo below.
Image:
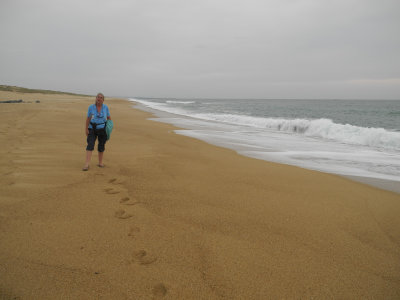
(98, 117)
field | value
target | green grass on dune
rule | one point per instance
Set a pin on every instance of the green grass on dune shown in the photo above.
(9, 88)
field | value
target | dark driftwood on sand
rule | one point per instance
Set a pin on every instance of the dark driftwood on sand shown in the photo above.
(12, 101)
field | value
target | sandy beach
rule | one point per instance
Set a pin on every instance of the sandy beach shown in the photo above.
(171, 217)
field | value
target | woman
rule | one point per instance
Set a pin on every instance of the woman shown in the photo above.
(97, 116)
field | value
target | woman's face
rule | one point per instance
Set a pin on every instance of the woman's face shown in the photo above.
(99, 99)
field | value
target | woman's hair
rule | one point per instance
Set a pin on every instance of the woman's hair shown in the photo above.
(99, 94)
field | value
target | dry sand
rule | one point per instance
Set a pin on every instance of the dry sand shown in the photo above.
(175, 218)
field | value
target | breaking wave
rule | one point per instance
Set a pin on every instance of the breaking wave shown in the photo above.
(317, 128)
(180, 102)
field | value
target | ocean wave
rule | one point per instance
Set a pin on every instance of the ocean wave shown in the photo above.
(318, 128)
(180, 102)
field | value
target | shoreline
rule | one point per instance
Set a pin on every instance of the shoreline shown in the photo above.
(385, 184)
(174, 217)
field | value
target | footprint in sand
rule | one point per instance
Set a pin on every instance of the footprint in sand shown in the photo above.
(115, 181)
(123, 200)
(128, 201)
(159, 290)
(111, 191)
(133, 230)
(122, 214)
(143, 258)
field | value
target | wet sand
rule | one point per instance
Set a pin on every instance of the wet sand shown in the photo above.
(389, 185)
(175, 218)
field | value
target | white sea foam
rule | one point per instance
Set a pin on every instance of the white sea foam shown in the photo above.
(314, 144)
(318, 128)
(162, 107)
(180, 102)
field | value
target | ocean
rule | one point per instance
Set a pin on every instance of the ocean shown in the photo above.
(346, 137)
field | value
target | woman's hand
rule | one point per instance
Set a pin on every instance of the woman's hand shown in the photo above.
(87, 131)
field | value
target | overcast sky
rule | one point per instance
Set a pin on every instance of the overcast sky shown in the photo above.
(204, 48)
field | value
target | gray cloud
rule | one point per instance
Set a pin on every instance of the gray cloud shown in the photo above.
(187, 48)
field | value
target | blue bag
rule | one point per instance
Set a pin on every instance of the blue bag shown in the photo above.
(109, 128)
